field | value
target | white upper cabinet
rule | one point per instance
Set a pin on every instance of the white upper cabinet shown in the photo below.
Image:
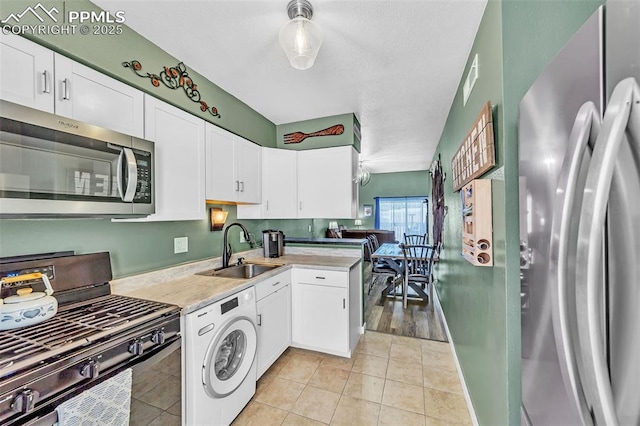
(279, 187)
(280, 183)
(249, 170)
(316, 183)
(326, 187)
(89, 96)
(233, 171)
(179, 162)
(35, 76)
(26, 73)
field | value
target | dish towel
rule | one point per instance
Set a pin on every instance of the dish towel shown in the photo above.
(107, 403)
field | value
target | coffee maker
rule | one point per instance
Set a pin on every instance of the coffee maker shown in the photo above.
(272, 242)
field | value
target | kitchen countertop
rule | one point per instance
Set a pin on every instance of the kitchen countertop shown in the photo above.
(193, 292)
(336, 241)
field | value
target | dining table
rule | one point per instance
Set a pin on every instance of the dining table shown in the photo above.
(392, 255)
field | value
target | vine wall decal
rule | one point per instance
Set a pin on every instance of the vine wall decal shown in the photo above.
(174, 78)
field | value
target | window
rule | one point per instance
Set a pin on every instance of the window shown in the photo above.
(403, 215)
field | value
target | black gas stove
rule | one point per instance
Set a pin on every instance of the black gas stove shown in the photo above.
(93, 336)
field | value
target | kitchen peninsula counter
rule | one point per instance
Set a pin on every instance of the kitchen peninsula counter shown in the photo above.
(192, 292)
(322, 241)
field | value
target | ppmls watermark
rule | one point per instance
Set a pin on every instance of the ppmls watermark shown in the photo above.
(68, 22)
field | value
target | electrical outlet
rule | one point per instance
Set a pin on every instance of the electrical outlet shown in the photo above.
(180, 245)
(242, 239)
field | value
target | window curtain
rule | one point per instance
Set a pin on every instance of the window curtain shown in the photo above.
(376, 222)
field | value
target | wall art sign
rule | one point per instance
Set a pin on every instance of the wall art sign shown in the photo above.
(174, 78)
(297, 137)
(477, 153)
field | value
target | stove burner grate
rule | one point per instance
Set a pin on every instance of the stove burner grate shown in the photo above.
(74, 326)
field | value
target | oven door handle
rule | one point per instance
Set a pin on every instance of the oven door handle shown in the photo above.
(127, 160)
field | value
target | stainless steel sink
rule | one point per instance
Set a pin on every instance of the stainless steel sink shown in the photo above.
(244, 271)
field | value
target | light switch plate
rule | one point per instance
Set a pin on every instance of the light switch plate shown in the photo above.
(180, 245)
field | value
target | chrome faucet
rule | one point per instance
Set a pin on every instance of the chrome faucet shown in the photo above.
(226, 247)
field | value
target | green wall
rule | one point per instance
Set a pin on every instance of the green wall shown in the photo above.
(381, 185)
(141, 247)
(515, 41)
(106, 53)
(401, 184)
(349, 121)
(134, 247)
(473, 298)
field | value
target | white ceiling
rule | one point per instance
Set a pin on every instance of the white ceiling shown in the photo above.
(396, 64)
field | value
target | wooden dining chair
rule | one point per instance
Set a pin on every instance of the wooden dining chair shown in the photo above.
(378, 267)
(374, 241)
(418, 270)
(415, 239)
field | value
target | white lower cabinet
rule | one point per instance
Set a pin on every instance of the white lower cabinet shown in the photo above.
(274, 319)
(326, 310)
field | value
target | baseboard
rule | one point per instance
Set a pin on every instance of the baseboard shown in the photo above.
(467, 397)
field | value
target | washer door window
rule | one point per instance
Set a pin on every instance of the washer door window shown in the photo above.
(229, 357)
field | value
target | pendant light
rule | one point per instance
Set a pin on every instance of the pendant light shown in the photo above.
(300, 38)
(363, 175)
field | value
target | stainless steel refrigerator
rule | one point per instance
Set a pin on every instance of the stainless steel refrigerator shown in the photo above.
(579, 150)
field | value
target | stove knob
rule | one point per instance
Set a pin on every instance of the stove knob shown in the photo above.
(136, 348)
(25, 401)
(90, 370)
(158, 337)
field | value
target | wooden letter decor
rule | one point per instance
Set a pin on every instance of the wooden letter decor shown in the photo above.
(477, 153)
(297, 137)
(174, 78)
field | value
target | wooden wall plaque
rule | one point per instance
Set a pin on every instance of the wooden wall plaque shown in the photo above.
(477, 152)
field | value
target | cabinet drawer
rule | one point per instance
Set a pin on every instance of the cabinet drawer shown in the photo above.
(269, 285)
(321, 277)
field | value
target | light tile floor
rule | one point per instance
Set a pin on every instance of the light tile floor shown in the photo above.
(390, 380)
(155, 394)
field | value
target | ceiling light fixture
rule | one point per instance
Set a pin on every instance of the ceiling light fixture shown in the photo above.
(363, 176)
(300, 38)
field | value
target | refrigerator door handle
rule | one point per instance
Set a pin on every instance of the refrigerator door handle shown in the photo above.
(620, 116)
(563, 244)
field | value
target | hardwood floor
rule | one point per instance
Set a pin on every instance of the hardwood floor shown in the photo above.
(386, 315)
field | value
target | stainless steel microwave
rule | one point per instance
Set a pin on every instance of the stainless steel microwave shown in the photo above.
(52, 166)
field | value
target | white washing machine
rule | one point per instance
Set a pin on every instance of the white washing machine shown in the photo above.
(220, 343)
